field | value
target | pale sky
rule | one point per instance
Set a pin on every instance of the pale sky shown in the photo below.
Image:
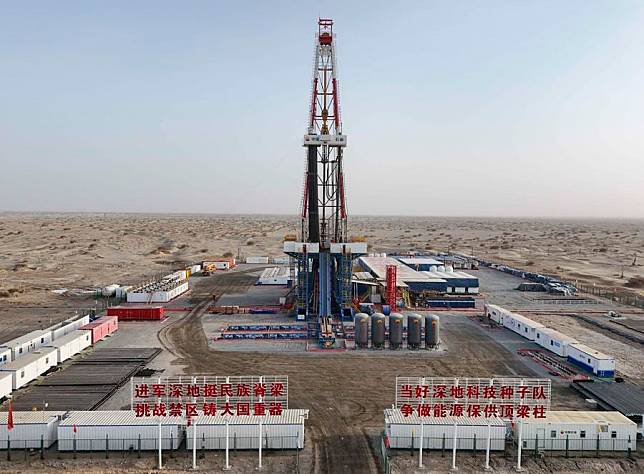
(457, 108)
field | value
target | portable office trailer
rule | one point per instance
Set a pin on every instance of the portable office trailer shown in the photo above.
(29, 427)
(585, 431)
(71, 344)
(523, 326)
(554, 341)
(403, 432)
(69, 326)
(30, 366)
(28, 343)
(496, 313)
(285, 431)
(102, 327)
(6, 384)
(591, 360)
(118, 430)
(5, 355)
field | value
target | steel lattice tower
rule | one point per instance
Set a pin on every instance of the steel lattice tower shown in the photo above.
(324, 216)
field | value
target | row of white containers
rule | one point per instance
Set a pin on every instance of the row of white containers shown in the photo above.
(561, 344)
(121, 431)
(25, 358)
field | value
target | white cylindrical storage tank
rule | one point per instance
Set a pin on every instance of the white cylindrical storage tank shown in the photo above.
(449, 269)
(433, 268)
(441, 268)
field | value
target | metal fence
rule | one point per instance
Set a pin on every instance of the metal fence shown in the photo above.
(139, 444)
(553, 447)
(621, 296)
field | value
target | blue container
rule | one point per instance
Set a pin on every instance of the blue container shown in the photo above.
(386, 309)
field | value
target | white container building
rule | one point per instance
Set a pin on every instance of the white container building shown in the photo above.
(69, 326)
(117, 430)
(585, 430)
(285, 431)
(6, 384)
(160, 296)
(523, 326)
(71, 344)
(591, 360)
(5, 355)
(30, 366)
(280, 260)
(496, 313)
(29, 427)
(28, 343)
(195, 269)
(403, 432)
(257, 259)
(554, 341)
(275, 276)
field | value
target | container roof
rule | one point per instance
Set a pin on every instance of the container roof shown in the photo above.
(71, 336)
(553, 333)
(590, 351)
(395, 416)
(419, 261)
(31, 417)
(128, 418)
(27, 359)
(30, 336)
(583, 417)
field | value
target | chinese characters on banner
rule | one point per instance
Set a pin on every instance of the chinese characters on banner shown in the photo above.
(440, 397)
(186, 396)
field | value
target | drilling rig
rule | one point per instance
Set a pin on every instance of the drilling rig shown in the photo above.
(323, 253)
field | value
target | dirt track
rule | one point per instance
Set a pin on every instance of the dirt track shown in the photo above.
(346, 393)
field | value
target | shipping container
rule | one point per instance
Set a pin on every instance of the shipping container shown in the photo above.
(591, 360)
(28, 343)
(136, 313)
(118, 430)
(6, 384)
(102, 327)
(523, 326)
(403, 432)
(30, 366)
(554, 341)
(68, 326)
(71, 344)
(195, 269)
(285, 431)
(583, 430)
(5, 355)
(29, 427)
(281, 260)
(257, 260)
